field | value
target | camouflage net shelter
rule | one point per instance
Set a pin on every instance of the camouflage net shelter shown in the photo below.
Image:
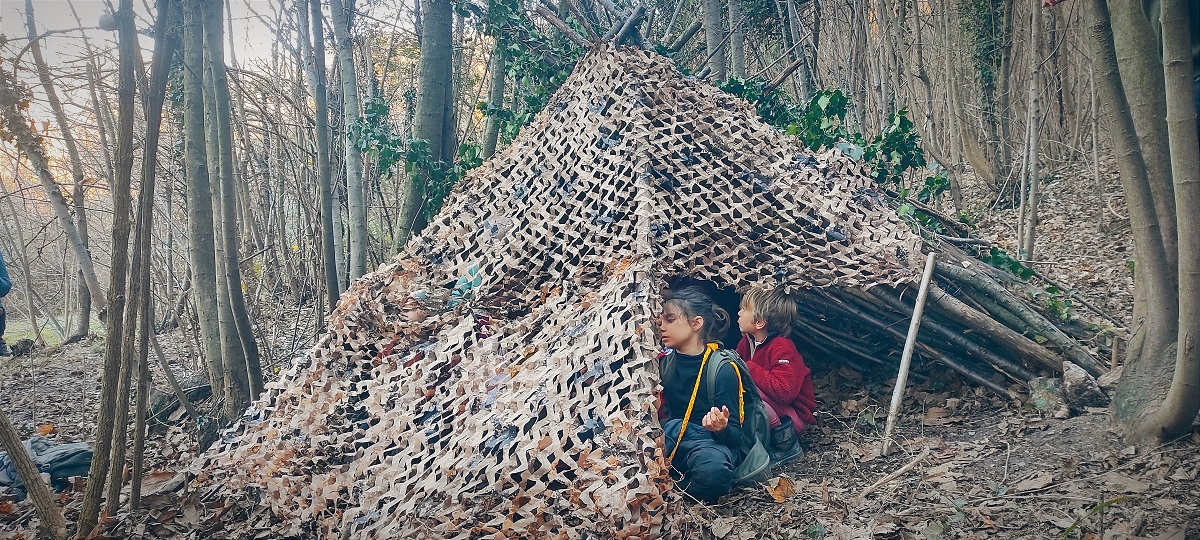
(496, 379)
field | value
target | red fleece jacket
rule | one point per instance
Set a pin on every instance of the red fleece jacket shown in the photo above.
(782, 378)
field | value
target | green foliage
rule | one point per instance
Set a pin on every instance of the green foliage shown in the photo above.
(816, 531)
(1001, 259)
(821, 124)
(373, 134)
(536, 63)
(1053, 299)
(1093, 511)
(1055, 302)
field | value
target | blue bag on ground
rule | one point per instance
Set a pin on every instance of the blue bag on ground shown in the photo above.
(60, 461)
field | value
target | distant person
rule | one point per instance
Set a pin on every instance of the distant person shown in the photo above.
(5, 286)
(703, 439)
(785, 383)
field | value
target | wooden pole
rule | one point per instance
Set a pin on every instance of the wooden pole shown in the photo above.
(906, 357)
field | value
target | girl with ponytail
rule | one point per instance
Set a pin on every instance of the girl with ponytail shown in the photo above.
(703, 439)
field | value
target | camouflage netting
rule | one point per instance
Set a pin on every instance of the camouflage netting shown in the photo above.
(496, 379)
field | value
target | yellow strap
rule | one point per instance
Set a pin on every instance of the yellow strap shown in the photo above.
(692, 402)
(741, 392)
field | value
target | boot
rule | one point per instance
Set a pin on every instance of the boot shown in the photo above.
(4, 352)
(785, 448)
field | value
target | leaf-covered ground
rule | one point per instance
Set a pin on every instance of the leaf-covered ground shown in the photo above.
(981, 467)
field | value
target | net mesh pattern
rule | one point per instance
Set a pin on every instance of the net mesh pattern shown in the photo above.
(496, 379)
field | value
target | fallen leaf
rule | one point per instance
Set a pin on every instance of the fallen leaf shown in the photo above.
(1178, 532)
(722, 526)
(781, 488)
(46, 430)
(1125, 484)
(937, 416)
(1039, 481)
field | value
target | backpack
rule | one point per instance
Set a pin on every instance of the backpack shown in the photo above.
(755, 467)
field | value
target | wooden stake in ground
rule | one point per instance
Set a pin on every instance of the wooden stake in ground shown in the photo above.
(906, 358)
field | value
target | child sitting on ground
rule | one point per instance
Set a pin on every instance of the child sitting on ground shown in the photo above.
(702, 438)
(785, 383)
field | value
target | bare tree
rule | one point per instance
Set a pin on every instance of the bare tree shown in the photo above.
(98, 473)
(355, 195)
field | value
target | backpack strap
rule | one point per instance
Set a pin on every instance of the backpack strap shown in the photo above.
(687, 415)
(721, 359)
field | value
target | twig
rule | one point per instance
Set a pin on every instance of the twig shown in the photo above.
(560, 25)
(587, 26)
(776, 61)
(899, 472)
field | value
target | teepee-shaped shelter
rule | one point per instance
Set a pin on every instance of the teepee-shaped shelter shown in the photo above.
(496, 379)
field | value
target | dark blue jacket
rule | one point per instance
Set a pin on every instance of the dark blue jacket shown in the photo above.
(5, 282)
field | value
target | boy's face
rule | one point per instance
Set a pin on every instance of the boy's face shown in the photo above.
(747, 323)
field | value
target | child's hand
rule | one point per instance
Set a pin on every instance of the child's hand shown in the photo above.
(716, 420)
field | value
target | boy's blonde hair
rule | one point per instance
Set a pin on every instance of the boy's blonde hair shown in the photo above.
(775, 307)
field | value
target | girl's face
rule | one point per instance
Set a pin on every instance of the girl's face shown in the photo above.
(675, 329)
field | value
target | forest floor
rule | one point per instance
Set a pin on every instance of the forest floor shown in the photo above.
(971, 464)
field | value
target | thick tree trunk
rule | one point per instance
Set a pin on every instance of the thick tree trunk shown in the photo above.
(355, 194)
(1137, 47)
(1150, 354)
(1175, 415)
(127, 43)
(314, 67)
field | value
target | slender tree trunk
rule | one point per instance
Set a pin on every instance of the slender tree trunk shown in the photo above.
(228, 198)
(236, 384)
(355, 194)
(1002, 114)
(737, 42)
(201, 244)
(1029, 197)
(30, 145)
(35, 50)
(52, 522)
(314, 63)
(714, 36)
(22, 258)
(138, 319)
(495, 98)
(127, 43)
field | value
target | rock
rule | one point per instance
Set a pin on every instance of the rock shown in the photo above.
(1080, 390)
(1045, 394)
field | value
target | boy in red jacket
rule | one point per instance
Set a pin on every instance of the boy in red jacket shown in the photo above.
(766, 319)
